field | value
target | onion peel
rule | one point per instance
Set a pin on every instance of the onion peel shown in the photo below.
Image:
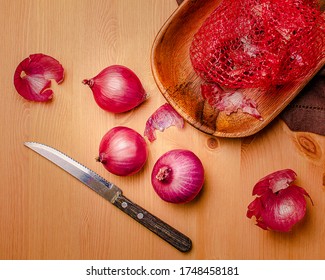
(164, 117)
(229, 101)
(32, 78)
(280, 204)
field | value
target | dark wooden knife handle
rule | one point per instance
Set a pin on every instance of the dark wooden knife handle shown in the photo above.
(163, 230)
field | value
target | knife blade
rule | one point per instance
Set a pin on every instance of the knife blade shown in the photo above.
(113, 194)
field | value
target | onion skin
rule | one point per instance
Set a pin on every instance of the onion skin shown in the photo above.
(164, 117)
(123, 151)
(178, 176)
(117, 89)
(32, 78)
(280, 204)
(229, 101)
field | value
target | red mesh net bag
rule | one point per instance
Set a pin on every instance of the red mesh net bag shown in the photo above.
(259, 43)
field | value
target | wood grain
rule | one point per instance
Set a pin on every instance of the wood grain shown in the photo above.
(47, 214)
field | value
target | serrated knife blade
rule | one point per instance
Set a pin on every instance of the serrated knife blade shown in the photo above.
(113, 194)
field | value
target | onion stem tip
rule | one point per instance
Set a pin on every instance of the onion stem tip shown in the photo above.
(90, 82)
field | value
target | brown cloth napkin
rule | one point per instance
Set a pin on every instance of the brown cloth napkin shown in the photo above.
(307, 111)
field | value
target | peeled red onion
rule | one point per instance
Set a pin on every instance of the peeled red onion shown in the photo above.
(32, 78)
(178, 176)
(117, 89)
(280, 204)
(123, 151)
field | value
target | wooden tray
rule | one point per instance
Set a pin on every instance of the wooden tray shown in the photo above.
(176, 79)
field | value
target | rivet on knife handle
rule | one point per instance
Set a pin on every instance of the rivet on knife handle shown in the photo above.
(163, 230)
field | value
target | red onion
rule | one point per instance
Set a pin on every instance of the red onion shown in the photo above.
(32, 78)
(117, 89)
(164, 117)
(280, 204)
(123, 151)
(178, 176)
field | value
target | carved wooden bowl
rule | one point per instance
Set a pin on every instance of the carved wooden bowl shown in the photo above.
(180, 85)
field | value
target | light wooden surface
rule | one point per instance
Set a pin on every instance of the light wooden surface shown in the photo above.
(47, 214)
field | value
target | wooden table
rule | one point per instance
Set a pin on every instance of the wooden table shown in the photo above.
(47, 214)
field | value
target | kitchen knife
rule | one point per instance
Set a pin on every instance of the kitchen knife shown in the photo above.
(113, 194)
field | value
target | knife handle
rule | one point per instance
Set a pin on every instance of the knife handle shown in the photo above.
(157, 226)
